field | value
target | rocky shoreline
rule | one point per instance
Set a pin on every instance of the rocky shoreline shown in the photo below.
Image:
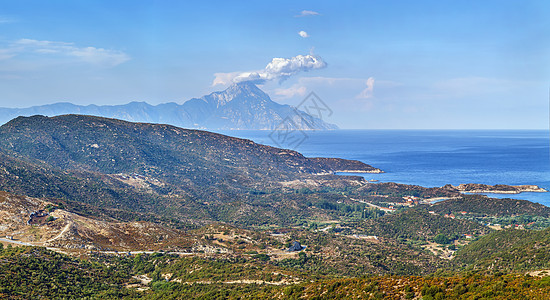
(373, 171)
(495, 189)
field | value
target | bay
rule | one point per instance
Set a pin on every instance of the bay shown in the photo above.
(433, 158)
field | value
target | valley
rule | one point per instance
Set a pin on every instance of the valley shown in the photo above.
(184, 210)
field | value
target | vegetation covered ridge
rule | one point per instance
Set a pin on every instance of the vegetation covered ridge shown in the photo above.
(29, 272)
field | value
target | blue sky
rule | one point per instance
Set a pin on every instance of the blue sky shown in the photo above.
(385, 64)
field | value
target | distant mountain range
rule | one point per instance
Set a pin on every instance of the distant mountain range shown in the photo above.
(240, 106)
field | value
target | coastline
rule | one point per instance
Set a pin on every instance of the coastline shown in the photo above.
(375, 171)
(469, 156)
(470, 188)
(500, 192)
(476, 188)
(438, 199)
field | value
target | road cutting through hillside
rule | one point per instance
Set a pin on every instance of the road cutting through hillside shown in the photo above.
(61, 233)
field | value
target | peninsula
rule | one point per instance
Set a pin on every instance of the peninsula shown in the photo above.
(495, 189)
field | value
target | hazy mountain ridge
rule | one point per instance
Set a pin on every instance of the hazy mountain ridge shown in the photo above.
(240, 106)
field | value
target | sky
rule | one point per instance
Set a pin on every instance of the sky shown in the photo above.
(376, 64)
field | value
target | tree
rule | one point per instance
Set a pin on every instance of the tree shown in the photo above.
(441, 239)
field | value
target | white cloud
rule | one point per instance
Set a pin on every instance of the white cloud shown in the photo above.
(99, 56)
(278, 68)
(6, 54)
(294, 90)
(307, 13)
(367, 92)
(330, 80)
(31, 42)
(224, 78)
(341, 93)
(91, 55)
(303, 34)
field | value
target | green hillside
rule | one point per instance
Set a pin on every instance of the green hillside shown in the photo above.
(419, 224)
(507, 250)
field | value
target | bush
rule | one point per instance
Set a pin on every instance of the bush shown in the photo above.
(441, 239)
(262, 257)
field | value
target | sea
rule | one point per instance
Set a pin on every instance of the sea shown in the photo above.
(431, 158)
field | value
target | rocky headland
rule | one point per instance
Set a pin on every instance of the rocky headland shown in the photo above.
(495, 189)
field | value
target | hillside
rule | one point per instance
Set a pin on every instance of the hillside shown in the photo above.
(40, 222)
(135, 170)
(82, 183)
(207, 214)
(481, 205)
(31, 272)
(112, 146)
(240, 106)
(418, 224)
(507, 250)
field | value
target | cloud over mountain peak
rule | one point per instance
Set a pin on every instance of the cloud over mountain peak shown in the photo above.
(278, 69)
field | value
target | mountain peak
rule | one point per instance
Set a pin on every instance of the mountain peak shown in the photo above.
(243, 91)
(242, 105)
(245, 84)
(245, 88)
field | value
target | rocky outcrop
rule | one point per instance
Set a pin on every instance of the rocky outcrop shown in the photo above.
(295, 247)
(495, 189)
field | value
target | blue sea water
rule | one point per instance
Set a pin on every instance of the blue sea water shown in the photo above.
(433, 158)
